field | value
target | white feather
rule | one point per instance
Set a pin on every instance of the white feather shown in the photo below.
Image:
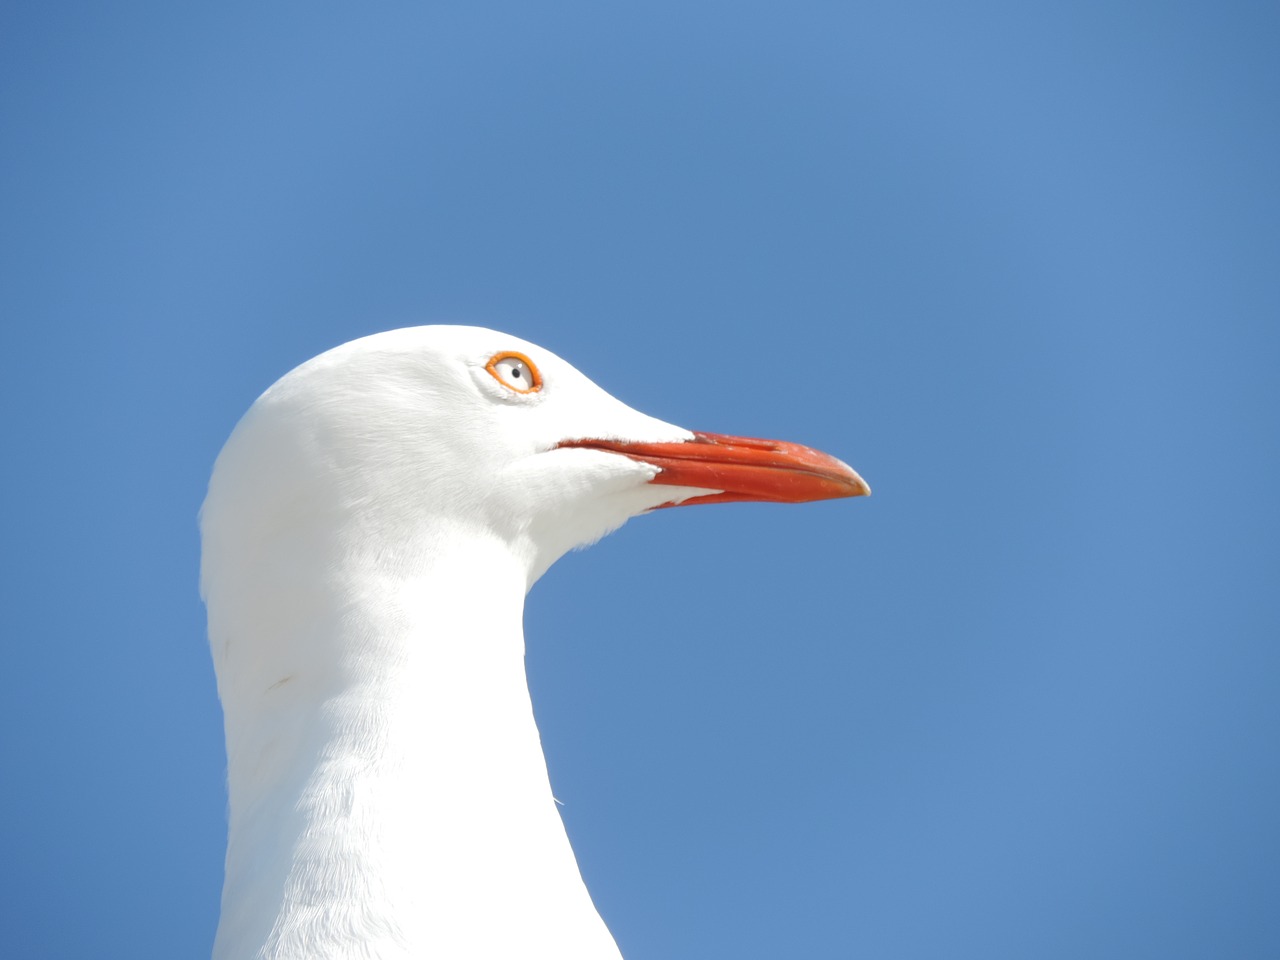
(370, 531)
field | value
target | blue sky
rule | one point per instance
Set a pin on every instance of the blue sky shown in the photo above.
(1018, 264)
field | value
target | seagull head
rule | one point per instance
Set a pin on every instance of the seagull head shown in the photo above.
(400, 440)
(370, 529)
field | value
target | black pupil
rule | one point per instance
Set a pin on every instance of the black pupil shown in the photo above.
(515, 372)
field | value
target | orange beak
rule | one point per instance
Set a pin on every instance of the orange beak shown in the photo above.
(744, 468)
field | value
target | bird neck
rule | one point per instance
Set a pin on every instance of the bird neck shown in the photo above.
(395, 801)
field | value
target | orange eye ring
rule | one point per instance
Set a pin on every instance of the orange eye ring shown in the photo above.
(512, 369)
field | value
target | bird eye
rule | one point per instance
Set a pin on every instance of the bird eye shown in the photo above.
(515, 371)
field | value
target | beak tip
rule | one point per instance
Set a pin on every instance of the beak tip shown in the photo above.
(857, 486)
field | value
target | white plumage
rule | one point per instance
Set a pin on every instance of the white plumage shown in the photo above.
(371, 529)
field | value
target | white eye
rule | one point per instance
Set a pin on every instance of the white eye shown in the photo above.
(515, 371)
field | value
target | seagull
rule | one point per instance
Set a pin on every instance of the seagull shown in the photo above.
(371, 529)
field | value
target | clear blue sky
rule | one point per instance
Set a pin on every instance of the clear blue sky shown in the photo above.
(1018, 263)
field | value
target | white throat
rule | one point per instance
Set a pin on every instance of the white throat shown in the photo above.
(396, 804)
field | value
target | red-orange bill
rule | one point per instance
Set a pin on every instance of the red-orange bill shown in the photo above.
(744, 468)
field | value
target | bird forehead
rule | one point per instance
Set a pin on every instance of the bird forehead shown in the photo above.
(439, 353)
(440, 370)
(446, 344)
